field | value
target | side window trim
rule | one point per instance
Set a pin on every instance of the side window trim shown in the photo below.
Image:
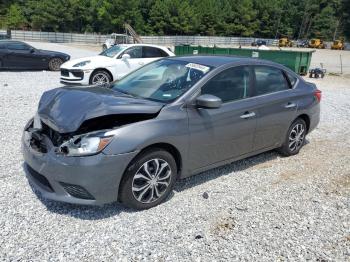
(120, 56)
(250, 86)
(19, 44)
(287, 79)
(291, 85)
(271, 93)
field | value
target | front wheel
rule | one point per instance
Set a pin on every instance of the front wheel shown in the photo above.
(148, 180)
(55, 64)
(295, 138)
(100, 77)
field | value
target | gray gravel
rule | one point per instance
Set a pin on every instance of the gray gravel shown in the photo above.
(263, 208)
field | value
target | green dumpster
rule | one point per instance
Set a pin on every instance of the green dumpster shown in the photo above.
(298, 61)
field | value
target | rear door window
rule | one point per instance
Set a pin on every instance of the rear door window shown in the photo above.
(269, 80)
(230, 85)
(17, 46)
(149, 52)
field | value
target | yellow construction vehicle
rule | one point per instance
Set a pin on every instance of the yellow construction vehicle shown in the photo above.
(285, 42)
(317, 43)
(338, 44)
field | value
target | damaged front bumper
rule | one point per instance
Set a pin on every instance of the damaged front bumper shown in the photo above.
(90, 180)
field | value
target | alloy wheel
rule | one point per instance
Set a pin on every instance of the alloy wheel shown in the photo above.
(100, 79)
(55, 64)
(151, 180)
(296, 137)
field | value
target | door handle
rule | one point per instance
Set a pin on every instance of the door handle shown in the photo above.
(247, 115)
(141, 63)
(290, 105)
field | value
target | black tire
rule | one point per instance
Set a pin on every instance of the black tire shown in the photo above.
(55, 64)
(286, 149)
(130, 194)
(100, 74)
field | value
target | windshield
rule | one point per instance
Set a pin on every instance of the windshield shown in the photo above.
(163, 80)
(112, 51)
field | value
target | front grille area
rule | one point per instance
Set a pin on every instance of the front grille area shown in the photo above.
(78, 73)
(77, 191)
(64, 72)
(75, 72)
(40, 179)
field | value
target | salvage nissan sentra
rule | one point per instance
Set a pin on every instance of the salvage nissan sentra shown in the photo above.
(130, 141)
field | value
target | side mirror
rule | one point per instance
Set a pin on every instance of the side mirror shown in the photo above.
(208, 101)
(125, 57)
(32, 50)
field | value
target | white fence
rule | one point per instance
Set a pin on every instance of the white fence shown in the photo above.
(56, 37)
(98, 39)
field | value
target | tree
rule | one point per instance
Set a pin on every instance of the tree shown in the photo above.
(15, 18)
(274, 18)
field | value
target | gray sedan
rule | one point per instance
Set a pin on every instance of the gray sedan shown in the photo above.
(130, 141)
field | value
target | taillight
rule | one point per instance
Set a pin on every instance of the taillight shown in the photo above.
(318, 95)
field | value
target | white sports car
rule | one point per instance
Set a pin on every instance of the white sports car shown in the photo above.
(111, 64)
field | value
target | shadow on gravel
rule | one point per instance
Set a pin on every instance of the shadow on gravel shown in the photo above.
(236, 166)
(224, 170)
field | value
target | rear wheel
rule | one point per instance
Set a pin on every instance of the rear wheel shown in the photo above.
(295, 138)
(100, 77)
(55, 64)
(148, 180)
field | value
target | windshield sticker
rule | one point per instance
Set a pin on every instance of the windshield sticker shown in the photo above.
(167, 95)
(199, 67)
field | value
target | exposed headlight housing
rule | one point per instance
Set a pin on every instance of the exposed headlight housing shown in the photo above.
(87, 144)
(83, 63)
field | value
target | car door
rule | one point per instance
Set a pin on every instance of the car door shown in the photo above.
(22, 56)
(125, 66)
(227, 132)
(276, 106)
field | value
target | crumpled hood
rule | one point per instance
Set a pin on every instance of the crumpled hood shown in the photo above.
(95, 61)
(65, 109)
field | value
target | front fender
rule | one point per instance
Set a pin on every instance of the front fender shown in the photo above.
(169, 127)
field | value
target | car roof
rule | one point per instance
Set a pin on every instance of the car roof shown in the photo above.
(220, 60)
(6, 41)
(129, 45)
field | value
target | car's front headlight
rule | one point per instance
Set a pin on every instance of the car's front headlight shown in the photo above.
(87, 144)
(83, 63)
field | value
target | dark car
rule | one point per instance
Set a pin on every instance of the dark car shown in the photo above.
(19, 55)
(259, 43)
(4, 36)
(168, 120)
(303, 43)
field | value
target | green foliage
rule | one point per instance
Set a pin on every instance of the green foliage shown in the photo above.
(274, 18)
(14, 17)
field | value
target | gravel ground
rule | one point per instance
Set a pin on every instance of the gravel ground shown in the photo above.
(262, 208)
